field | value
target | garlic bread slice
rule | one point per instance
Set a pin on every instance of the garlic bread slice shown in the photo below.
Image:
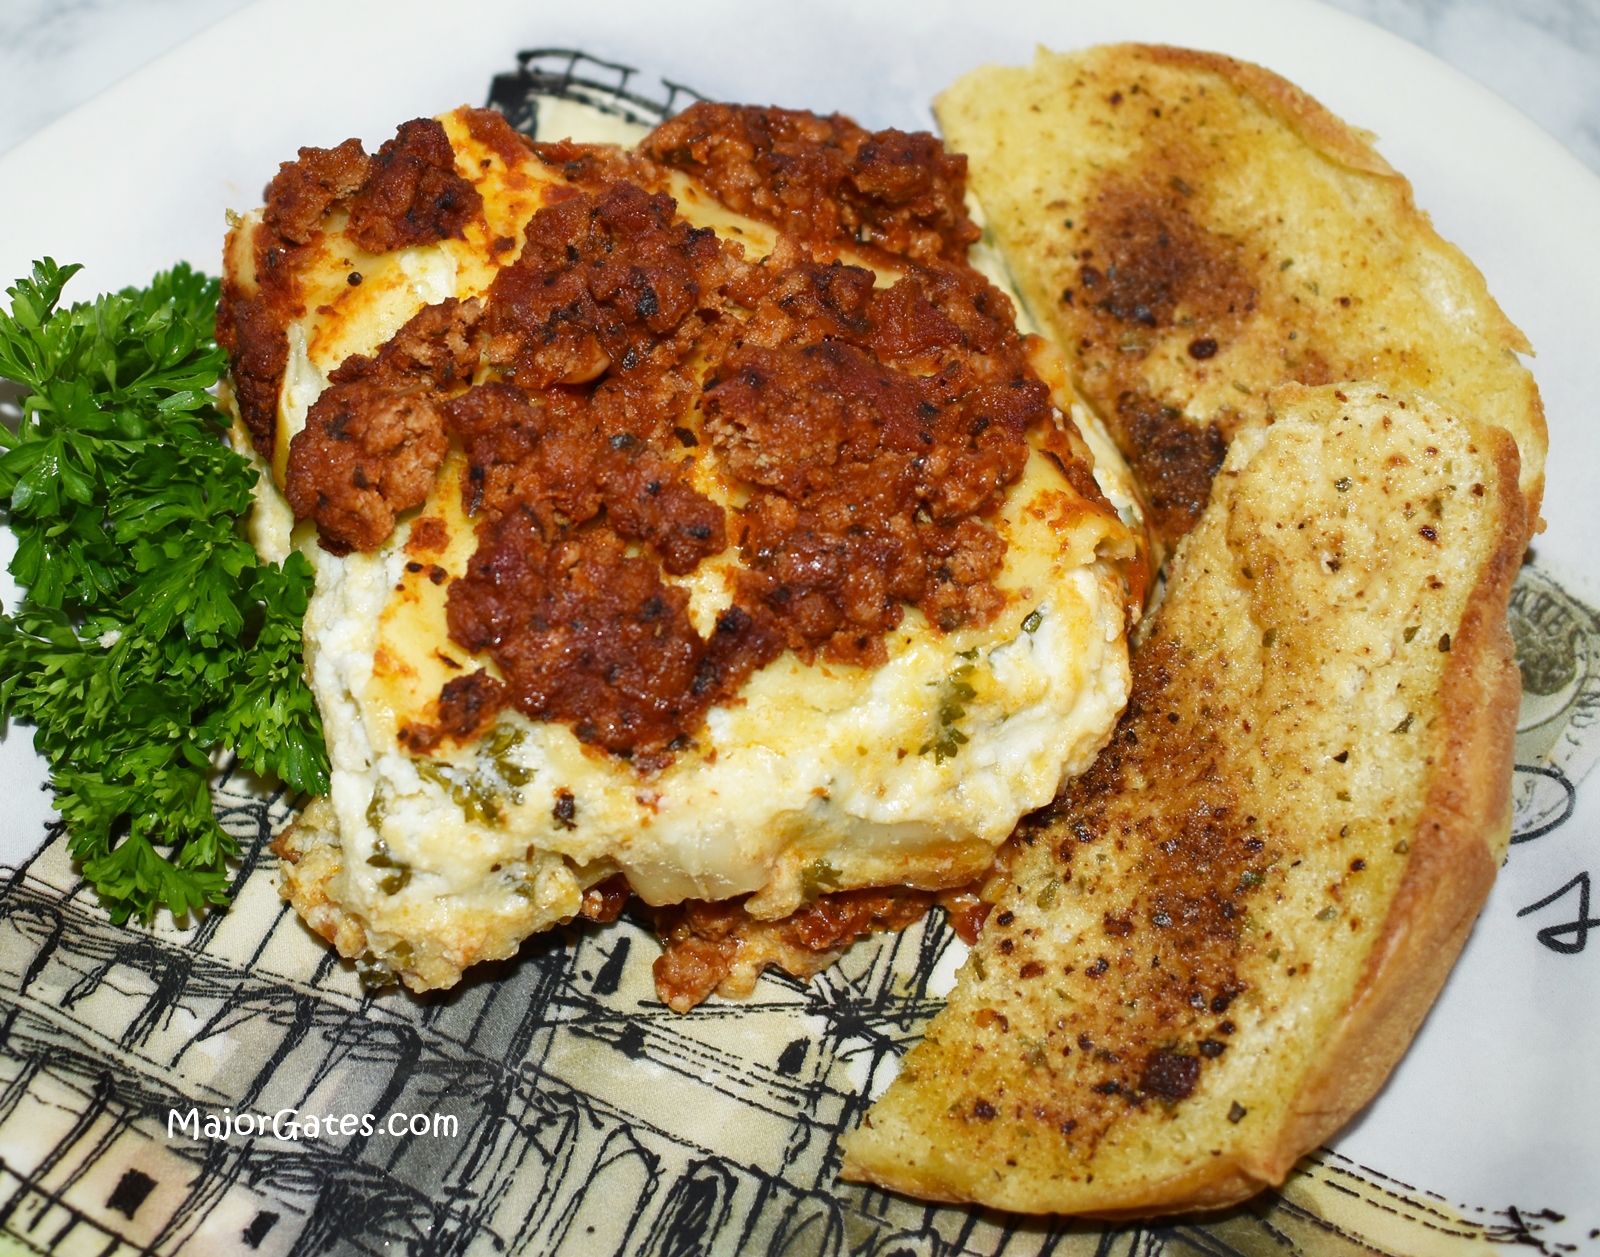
(1194, 230)
(1211, 950)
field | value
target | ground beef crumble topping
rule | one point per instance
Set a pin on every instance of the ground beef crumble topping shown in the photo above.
(825, 179)
(865, 435)
(374, 440)
(409, 194)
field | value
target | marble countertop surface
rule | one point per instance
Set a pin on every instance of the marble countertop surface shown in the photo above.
(1541, 55)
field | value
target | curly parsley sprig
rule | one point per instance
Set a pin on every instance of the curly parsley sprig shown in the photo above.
(150, 637)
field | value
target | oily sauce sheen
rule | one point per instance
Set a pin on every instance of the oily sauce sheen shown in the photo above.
(865, 435)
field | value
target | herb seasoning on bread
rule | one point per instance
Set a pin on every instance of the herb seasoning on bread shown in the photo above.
(1209, 952)
(1211, 949)
(1193, 230)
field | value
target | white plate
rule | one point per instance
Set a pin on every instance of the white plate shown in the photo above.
(1498, 1104)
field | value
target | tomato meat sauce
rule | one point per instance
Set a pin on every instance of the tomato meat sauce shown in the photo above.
(870, 432)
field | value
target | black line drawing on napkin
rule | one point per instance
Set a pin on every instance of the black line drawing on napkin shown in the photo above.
(588, 1117)
(567, 74)
(1558, 651)
(1554, 936)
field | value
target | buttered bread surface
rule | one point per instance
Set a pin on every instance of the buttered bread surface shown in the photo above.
(1209, 952)
(1194, 230)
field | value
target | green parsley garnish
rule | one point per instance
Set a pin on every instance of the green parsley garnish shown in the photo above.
(151, 638)
(955, 693)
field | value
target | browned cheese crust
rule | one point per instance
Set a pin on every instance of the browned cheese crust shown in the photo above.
(1209, 953)
(707, 947)
(407, 194)
(1194, 230)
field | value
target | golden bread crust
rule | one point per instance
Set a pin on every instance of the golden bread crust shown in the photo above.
(1317, 125)
(1194, 230)
(1337, 140)
(1216, 945)
(1460, 843)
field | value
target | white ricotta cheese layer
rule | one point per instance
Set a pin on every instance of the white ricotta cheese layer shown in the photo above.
(840, 775)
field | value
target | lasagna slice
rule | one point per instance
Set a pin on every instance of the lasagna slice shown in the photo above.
(689, 522)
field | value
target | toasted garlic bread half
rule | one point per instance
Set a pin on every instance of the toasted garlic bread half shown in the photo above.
(1194, 230)
(1213, 948)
